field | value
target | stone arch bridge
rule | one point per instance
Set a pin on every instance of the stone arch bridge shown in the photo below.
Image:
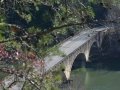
(79, 44)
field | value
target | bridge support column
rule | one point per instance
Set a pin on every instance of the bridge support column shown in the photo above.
(68, 65)
(67, 72)
(98, 44)
(87, 55)
(101, 38)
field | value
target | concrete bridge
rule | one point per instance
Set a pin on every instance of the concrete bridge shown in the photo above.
(78, 45)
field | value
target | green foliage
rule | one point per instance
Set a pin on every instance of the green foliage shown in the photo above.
(93, 1)
(2, 18)
(43, 17)
(90, 12)
(3, 75)
(40, 16)
(3, 26)
(55, 51)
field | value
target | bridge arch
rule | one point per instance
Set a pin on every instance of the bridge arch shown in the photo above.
(105, 45)
(80, 61)
(94, 51)
(76, 61)
(100, 44)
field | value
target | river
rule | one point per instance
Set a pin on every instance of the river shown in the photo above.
(101, 73)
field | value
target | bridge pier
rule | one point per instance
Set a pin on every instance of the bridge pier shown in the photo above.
(87, 55)
(67, 67)
(67, 73)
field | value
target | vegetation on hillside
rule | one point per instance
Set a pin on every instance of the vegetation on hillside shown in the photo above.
(32, 29)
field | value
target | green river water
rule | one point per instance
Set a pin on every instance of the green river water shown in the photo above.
(96, 80)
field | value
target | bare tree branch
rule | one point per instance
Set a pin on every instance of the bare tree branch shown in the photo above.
(34, 84)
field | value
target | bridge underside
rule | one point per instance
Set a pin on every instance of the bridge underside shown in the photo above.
(79, 62)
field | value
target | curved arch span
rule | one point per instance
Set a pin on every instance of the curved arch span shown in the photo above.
(79, 62)
(94, 51)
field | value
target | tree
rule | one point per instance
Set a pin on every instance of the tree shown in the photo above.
(30, 30)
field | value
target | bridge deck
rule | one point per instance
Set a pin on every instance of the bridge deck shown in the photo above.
(71, 45)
